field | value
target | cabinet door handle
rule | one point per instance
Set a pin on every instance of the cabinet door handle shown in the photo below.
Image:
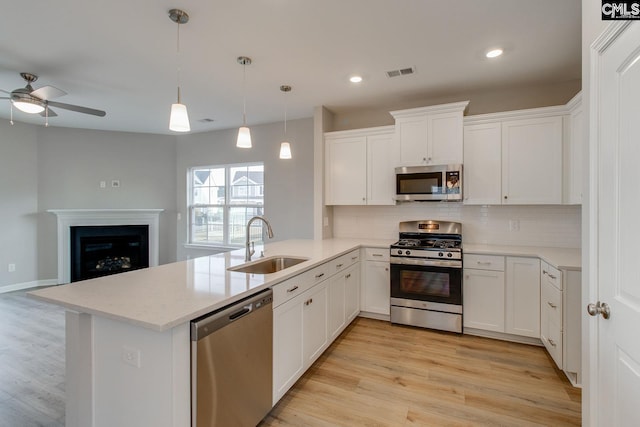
(484, 262)
(347, 276)
(386, 269)
(552, 342)
(353, 258)
(319, 275)
(552, 305)
(339, 265)
(505, 197)
(292, 289)
(552, 276)
(376, 254)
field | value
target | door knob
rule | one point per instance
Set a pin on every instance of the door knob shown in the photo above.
(599, 308)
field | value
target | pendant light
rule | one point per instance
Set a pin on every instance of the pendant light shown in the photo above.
(285, 147)
(179, 118)
(244, 134)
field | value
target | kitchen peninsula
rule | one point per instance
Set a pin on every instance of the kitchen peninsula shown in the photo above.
(128, 339)
(128, 336)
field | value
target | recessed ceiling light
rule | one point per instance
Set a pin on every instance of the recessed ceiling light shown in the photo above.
(355, 79)
(494, 53)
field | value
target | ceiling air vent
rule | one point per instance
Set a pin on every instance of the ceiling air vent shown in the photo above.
(206, 120)
(401, 72)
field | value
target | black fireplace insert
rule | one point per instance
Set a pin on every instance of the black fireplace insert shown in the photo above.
(108, 249)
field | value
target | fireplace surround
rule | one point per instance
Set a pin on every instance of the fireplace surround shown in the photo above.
(67, 218)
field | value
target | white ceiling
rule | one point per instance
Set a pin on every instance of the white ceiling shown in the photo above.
(120, 56)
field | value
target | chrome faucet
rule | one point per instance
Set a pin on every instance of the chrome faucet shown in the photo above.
(249, 247)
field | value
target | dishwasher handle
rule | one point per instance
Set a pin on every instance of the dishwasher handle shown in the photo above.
(211, 322)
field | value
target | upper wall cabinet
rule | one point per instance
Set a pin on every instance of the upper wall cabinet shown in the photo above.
(573, 151)
(430, 135)
(524, 157)
(360, 166)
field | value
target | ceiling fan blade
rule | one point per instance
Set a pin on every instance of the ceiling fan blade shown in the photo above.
(48, 92)
(77, 108)
(4, 97)
(51, 113)
(5, 91)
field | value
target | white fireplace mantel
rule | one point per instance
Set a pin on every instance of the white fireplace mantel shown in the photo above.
(68, 218)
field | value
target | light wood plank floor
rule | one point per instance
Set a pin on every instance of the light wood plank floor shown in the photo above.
(31, 362)
(377, 374)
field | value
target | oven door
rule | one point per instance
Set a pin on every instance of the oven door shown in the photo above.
(430, 283)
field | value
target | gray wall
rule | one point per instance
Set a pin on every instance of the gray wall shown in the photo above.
(71, 164)
(18, 202)
(288, 183)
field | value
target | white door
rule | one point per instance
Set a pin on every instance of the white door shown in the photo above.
(615, 226)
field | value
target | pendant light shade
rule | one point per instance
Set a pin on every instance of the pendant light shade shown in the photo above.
(179, 118)
(285, 150)
(285, 147)
(244, 134)
(244, 137)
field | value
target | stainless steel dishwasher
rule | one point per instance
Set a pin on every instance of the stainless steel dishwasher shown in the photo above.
(231, 364)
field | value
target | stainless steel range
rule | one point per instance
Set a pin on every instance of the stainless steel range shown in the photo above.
(426, 275)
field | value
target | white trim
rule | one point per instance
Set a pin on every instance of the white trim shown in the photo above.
(453, 107)
(378, 130)
(542, 112)
(68, 218)
(27, 285)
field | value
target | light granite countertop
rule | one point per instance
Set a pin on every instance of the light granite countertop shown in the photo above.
(168, 295)
(561, 258)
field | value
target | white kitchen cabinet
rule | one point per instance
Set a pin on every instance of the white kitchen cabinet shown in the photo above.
(360, 167)
(482, 167)
(574, 146)
(551, 333)
(532, 161)
(375, 284)
(288, 358)
(518, 157)
(430, 135)
(483, 292)
(310, 311)
(522, 296)
(352, 292)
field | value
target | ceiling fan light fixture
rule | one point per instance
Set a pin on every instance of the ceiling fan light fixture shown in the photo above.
(28, 106)
(179, 119)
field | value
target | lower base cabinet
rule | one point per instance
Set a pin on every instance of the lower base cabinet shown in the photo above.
(308, 317)
(376, 283)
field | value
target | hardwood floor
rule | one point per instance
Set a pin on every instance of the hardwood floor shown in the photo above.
(377, 374)
(31, 362)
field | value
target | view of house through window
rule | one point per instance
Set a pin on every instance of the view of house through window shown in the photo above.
(222, 200)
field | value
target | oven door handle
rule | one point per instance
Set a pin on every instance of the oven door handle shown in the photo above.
(425, 262)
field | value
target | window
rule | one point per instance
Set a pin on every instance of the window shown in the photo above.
(222, 200)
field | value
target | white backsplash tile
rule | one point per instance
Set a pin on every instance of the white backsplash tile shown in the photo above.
(552, 226)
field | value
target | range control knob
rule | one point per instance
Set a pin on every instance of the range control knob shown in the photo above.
(449, 254)
(407, 252)
(440, 254)
(399, 252)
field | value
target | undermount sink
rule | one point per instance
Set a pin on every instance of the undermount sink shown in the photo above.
(268, 265)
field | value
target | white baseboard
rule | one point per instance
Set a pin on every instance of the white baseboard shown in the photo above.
(27, 285)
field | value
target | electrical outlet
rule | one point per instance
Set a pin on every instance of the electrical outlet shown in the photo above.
(103, 184)
(179, 216)
(131, 356)
(115, 183)
(11, 268)
(514, 225)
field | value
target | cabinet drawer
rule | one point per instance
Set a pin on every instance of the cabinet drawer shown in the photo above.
(484, 262)
(552, 340)
(551, 303)
(377, 254)
(343, 262)
(290, 288)
(551, 275)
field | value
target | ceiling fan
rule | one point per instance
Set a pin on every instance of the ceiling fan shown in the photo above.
(37, 101)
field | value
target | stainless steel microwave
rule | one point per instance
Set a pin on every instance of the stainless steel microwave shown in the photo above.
(429, 183)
